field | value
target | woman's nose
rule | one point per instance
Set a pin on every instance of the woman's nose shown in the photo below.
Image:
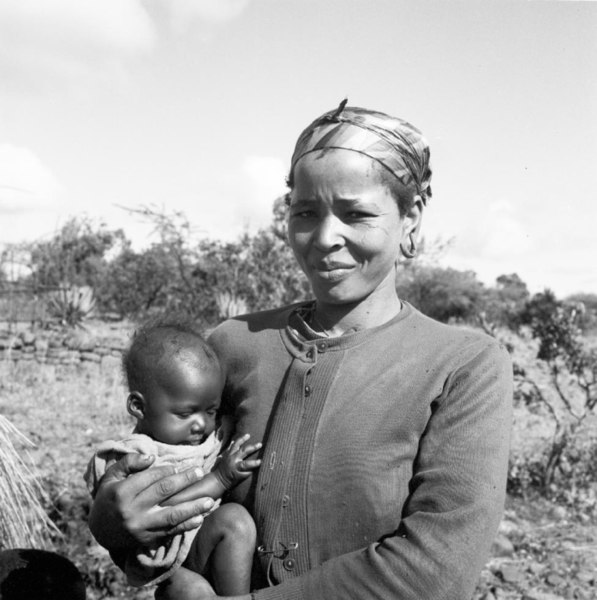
(328, 233)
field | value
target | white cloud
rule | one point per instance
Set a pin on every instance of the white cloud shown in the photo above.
(25, 182)
(266, 175)
(41, 40)
(184, 14)
(214, 11)
(30, 195)
(48, 42)
(502, 234)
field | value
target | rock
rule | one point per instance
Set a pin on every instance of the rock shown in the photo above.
(55, 342)
(80, 341)
(28, 338)
(511, 573)
(14, 343)
(555, 580)
(114, 344)
(537, 594)
(559, 513)
(535, 568)
(111, 363)
(508, 527)
(90, 357)
(586, 576)
(502, 547)
(41, 345)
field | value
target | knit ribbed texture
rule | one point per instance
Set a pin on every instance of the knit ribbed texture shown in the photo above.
(388, 470)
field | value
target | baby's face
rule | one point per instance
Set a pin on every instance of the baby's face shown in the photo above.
(181, 407)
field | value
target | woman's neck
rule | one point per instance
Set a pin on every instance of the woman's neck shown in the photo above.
(337, 319)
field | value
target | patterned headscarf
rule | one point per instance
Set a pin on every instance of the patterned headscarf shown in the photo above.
(396, 144)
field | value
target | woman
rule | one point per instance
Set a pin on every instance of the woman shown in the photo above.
(386, 433)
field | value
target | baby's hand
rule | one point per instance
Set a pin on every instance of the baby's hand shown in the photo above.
(233, 466)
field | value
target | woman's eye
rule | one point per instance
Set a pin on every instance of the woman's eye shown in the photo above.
(357, 214)
(212, 412)
(184, 415)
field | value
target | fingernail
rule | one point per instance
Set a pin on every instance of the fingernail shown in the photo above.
(209, 503)
(198, 472)
(147, 457)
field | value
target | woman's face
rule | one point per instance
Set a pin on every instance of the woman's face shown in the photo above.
(344, 226)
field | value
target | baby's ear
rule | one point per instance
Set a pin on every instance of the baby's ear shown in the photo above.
(135, 405)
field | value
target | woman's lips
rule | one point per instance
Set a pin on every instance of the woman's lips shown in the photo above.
(333, 272)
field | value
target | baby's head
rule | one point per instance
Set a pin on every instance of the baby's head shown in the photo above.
(175, 383)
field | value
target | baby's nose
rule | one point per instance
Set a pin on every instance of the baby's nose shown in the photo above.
(198, 424)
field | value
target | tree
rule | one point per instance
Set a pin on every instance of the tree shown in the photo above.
(504, 303)
(444, 294)
(588, 320)
(76, 255)
(571, 365)
(136, 283)
(207, 280)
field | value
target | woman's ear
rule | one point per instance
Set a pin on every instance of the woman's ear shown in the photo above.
(411, 223)
(413, 218)
(135, 405)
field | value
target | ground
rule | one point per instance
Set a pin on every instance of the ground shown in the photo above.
(544, 551)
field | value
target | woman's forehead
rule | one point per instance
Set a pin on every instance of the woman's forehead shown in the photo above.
(343, 169)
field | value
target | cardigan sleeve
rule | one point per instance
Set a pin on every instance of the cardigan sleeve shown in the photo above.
(456, 501)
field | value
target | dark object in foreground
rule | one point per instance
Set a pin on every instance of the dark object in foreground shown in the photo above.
(38, 575)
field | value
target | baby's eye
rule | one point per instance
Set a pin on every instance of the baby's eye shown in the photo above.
(184, 415)
(212, 412)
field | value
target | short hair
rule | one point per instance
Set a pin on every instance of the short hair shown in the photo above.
(157, 337)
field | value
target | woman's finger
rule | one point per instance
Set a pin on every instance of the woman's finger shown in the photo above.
(163, 487)
(127, 465)
(169, 520)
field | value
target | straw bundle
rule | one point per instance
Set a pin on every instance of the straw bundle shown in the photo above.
(23, 521)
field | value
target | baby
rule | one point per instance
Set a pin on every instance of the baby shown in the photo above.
(175, 384)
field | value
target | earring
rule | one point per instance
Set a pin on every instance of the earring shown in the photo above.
(412, 251)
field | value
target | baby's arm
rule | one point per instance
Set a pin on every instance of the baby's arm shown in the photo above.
(230, 469)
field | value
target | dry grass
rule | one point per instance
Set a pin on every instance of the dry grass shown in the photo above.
(24, 523)
(65, 413)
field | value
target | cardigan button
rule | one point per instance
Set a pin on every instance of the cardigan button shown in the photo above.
(321, 346)
(289, 564)
(309, 354)
(285, 501)
(307, 390)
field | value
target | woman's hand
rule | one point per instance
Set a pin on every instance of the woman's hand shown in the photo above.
(126, 511)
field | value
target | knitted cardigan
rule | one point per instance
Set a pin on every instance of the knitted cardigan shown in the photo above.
(384, 468)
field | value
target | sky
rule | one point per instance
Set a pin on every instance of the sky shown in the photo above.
(195, 106)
